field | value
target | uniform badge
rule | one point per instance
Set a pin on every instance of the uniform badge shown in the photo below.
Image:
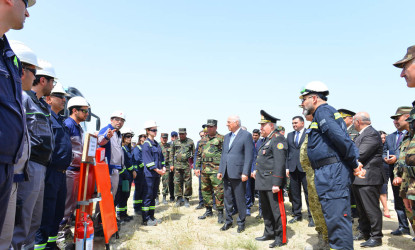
(280, 145)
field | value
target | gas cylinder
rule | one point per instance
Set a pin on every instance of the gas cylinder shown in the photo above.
(84, 233)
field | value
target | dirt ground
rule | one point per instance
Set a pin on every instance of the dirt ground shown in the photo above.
(181, 229)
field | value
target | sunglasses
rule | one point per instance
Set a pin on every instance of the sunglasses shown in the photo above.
(58, 96)
(153, 130)
(85, 111)
(31, 70)
(128, 136)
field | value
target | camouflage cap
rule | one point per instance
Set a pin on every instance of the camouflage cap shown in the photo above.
(164, 135)
(182, 130)
(280, 128)
(346, 113)
(266, 118)
(411, 116)
(410, 54)
(211, 122)
(403, 110)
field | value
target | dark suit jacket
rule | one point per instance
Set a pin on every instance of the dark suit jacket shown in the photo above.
(293, 159)
(390, 144)
(370, 148)
(237, 160)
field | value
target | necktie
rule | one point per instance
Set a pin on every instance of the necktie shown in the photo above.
(297, 135)
(398, 141)
(231, 140)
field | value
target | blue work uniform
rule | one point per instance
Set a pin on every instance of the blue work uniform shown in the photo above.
(125, 180)
(152, 158)
(13, 121)
(138, 165)
(55, 185)
(333, 156)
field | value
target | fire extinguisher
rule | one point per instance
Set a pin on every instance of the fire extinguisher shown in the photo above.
(84, 233)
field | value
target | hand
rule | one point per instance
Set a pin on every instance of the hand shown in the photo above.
(275, 189)
(164, 169)
(253, 174)
(110, 133)
(359, 171)
(171, 168)
(392, 159)
(244, 178)
(397, 181)
(408, 204)
(197, 172)
(287, 173)
(219, 176)
(134, 174)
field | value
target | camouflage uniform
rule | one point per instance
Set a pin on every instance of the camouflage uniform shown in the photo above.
(180, 154)
(165, 148)
(208, 159)
(352, 132)
(315, 206)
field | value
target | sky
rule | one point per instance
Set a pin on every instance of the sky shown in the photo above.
(183, 62)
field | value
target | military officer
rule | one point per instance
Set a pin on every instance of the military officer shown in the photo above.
(332, 154)
(269, 181)
(165, 148)
(207, 165)
(181, 158)
(347, 116)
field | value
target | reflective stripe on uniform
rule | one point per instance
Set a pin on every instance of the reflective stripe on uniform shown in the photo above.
(149, 143)
(122, 171)
(141, 165)
(337, 116)
(40, 246)
(152, 207)
(145, 208)
(52, 238)
(121, 209)
(137, 201)
(314, 125)
(151, 164)
(130, 168)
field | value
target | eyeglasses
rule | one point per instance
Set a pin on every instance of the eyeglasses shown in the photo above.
(26, 2)
(153, 130)
(303, 100)
(58, 96)
(85, 111)
(118, 119)
(31, 70)
(128, 136)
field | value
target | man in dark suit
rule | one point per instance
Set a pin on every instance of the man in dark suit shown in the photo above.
(269, 180)
(234, 168)
(392, 143)
(367, 191)
(295, 172)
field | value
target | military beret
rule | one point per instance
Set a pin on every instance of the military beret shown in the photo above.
(403, 110)
(346, 113)
(265, 118)
(182, 130)
(164, 135)
(410, 54)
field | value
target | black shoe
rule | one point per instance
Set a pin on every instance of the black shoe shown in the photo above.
(138, 212)
(200, 206)
(226, 227)
(241, 228)
(208, 213)
(159, 221)
(371, 243)
(311, 223)
(361, 236)
(186, 202)
(125, 218)
(413, 239)
(171, 199)
(400, 231)
(264, 238)
(294, 220)
(276, 243)
(150, 223)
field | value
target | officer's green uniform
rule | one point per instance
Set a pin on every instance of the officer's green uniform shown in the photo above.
(313, 201)
(165, 148)
(208, 159)
(181, 152)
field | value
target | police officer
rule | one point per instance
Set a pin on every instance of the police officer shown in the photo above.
(127, 174)
(55, 180)
(269, 181)
(165, 148)
(139, 179)
(181, 158)
(207, 165)
(153, 168)
(332, 154)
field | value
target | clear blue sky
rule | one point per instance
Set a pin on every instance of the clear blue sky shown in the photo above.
(182, 62)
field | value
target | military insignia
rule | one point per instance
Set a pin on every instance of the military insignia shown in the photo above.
(337, 116)
(280, 145)
(322, 122)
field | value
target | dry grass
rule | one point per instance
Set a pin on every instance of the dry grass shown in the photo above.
(182, 230)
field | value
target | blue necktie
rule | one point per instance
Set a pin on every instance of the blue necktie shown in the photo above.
(398, 141)
(231, 140)
(297, 135)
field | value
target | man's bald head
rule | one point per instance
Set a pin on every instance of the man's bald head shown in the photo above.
(233, 123)
(361, 120)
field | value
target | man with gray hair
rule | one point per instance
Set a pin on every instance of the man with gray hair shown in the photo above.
(367, 191)
(234, 168)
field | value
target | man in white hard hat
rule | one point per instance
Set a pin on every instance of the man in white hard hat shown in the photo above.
(12, 16)
(78, 112)
(332, 154)
(31, 193)
(55, 180)
(29, 65)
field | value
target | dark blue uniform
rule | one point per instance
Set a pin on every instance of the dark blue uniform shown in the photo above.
(125, 180)
(152, 158)
(333, 156)
(55, 185)
(139, 180)
(12, 119)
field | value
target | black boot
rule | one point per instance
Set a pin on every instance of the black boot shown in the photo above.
(221, 220)
(186, 202)
(208, 213)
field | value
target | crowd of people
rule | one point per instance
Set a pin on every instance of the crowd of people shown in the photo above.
(340, 162)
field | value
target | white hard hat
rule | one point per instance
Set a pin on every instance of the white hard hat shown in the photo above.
(119, 114)
(142, 132)
(58, 89)
(24, 53)
(315, 87)
(127, 131)
(150, 124)
(47, 69)
(30, 3)
(77, 101)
